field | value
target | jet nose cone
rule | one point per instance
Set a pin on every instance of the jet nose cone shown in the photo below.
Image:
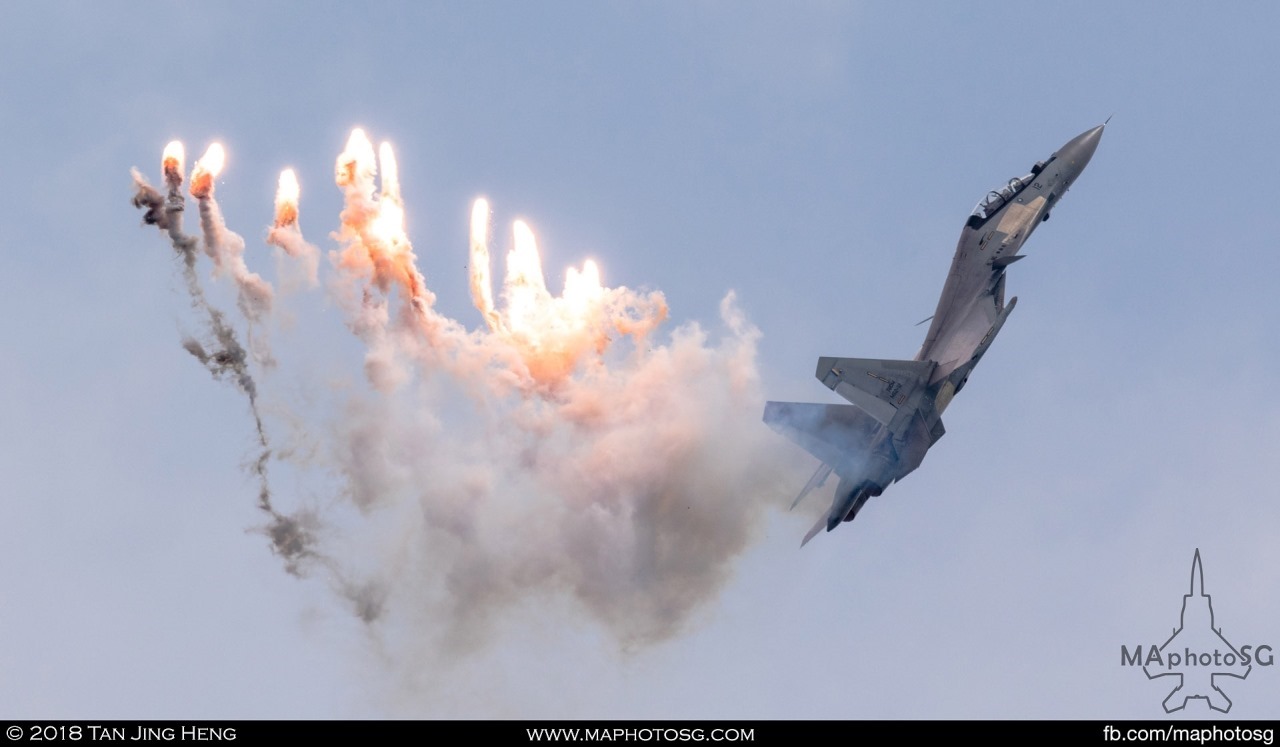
(1080, 148)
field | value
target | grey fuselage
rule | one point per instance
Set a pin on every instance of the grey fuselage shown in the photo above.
(972, 300)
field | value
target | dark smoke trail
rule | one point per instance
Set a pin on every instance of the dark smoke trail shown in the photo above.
(290, 537)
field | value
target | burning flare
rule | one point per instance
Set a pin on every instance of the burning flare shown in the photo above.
(481, 283)
(172, 163)
(356, 162)
(524, 265)
(286, 234)
(582, 289)
(390, 173)
(373, 228)
(287, 199)
(206, 170)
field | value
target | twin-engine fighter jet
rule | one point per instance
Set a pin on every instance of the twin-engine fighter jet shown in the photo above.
(897, 405)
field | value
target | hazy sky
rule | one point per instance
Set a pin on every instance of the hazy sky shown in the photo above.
(818, 160)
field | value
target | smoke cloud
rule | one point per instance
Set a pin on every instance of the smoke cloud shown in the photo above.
(567, 454)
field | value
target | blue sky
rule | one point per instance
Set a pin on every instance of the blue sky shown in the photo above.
(818, 159)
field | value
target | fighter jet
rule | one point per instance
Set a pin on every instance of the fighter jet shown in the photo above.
(895, 415)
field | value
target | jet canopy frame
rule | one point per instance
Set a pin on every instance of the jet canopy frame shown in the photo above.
(998, 198)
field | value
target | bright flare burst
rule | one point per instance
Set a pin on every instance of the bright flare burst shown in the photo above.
(206, 170)
(390, 173)
(287, 193)
(481, 284)
(172, 162)
(373, 225)
(286, 234)
(356, 162)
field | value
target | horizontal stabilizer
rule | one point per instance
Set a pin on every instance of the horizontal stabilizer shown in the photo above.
(839, 435)
(880, 387)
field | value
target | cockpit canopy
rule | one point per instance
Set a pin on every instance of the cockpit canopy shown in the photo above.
(996, 199)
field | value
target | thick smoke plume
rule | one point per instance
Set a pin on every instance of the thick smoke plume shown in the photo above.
(566, 452)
